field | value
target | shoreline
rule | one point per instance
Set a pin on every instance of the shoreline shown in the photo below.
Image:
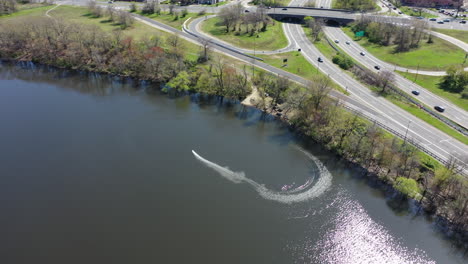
(457, 236)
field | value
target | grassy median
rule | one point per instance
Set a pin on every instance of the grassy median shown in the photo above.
(437, 56)
(431, 83)
(458, 34)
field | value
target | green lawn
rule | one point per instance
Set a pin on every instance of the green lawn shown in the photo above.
(272, 39)
(296, 64)
(430, 83)
(410, 12)
(28, 9)
(458, 34)
(437, 56)
(171, 20)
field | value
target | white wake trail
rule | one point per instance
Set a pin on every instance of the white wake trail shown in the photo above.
(320, 186)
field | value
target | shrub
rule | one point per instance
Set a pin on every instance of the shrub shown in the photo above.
(407, 186)
(343, 61)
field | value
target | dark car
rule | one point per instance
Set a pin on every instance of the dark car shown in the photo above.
(415, 92)
(463, 21)
(433, 19)
(247, 11)
(284, 9)
(377, 67)
(319, 59)
(362, 53)
(394, 8)
(440, 22)
(439, 108)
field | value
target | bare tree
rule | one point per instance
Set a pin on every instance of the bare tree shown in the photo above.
(385, 78)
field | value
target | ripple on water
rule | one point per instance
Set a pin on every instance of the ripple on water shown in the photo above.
(356, 238)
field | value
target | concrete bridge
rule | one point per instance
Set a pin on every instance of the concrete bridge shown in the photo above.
(297, 14)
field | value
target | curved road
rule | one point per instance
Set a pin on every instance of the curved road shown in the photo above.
(194, 26)
(361, 98)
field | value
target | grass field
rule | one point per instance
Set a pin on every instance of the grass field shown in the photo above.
(171, 20)
(410, 12)
(272, 39)
(458, 34)
(296, 64)
(437, 56)
(430, 83)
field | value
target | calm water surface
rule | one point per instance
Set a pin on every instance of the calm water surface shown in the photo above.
(96, 170)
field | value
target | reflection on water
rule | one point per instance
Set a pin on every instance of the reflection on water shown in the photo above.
(114, 181)
(355, 238)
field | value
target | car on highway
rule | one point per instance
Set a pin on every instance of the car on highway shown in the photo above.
(439, 108)
(463, 22)
(347, 42)
(446, 20)
(433, 19)
(377, 67)
(284, 9)
(415, 92)
(337, 41)
(399, 12)
(362, 53)
(320, 59)
(440, 22)
(246, 11)
(394, 8)
(420, 17)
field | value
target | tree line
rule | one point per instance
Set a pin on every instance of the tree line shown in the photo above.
(440, 189)
(356, 5)
(308, 108)
(86, 47)
(386, 34)
(233, 17)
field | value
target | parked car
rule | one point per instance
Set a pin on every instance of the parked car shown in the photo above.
(337, 41)
(439, 108)
(415, 92)
(362, 53)
(247, 11)
(377, 67)
(420, 17)
(319, 59)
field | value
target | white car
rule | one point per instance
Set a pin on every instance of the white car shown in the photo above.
(362, 53)
(337, 41)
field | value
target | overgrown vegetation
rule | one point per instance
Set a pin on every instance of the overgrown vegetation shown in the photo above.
(439, 188)
(7, 7)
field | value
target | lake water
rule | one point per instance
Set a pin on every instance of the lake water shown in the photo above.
(98, 170)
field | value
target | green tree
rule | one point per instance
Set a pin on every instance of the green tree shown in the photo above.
(180, 82)
(455, 81)
(407, 186)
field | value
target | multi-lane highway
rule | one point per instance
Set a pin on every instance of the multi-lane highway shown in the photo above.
(361, 98)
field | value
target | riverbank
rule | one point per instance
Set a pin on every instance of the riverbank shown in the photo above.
(308, 109)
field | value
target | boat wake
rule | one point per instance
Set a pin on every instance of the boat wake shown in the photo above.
(299, 194)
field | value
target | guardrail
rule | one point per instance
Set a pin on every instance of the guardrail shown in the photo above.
(395, 89)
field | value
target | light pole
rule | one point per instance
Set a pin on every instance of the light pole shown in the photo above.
(407, 128)
(417, 71)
